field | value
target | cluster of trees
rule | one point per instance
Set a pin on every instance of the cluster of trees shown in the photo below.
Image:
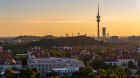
(69, 41)
(89, 72)
(20, 48)
(23, 73)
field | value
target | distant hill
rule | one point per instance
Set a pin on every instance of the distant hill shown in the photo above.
(134, 37)
(49, 37)
(27, 37)
(51, 42)
(67, 41)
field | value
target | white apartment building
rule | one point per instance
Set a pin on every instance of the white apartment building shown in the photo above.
(40, 59)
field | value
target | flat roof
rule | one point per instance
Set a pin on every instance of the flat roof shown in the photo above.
(72, 68)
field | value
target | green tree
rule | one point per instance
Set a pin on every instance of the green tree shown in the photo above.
(96, 64)
(128, 72)
(8, 73)
(120, 73)
(36, 73)
(92, 75)
(29, 73)
(131, 65)
(114, 76)
(133, 77)
(138, 63)
(85, 58)
(82, 73)
(52, 74)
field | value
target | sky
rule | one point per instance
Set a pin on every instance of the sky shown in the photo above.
(58, 17)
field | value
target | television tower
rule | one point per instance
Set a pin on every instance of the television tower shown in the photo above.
(98, 21)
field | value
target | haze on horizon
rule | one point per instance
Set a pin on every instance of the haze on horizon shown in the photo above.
(56, 17)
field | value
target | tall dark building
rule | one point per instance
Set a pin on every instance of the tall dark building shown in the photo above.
(104, 32)
(98, 21)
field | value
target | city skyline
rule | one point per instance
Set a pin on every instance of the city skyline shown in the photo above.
(55, 17)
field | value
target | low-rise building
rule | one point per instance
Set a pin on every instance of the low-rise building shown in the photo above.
(120, 60)
(114, 39)
(7, 62)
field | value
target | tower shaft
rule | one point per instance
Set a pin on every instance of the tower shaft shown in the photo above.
(98, 29)
(98, 22)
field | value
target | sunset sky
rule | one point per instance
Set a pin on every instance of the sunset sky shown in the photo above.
(56, 17)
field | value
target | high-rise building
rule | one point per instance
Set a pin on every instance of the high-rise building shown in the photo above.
(98, 22)
(104, 32)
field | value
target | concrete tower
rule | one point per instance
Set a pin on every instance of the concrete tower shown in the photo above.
(104, 32)
(98, 22)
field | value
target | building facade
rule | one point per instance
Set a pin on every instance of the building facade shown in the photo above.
(63, 71)
(104, 32)
(40, 59)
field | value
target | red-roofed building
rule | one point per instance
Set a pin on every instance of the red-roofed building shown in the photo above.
(37, 53)
(120, 60)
